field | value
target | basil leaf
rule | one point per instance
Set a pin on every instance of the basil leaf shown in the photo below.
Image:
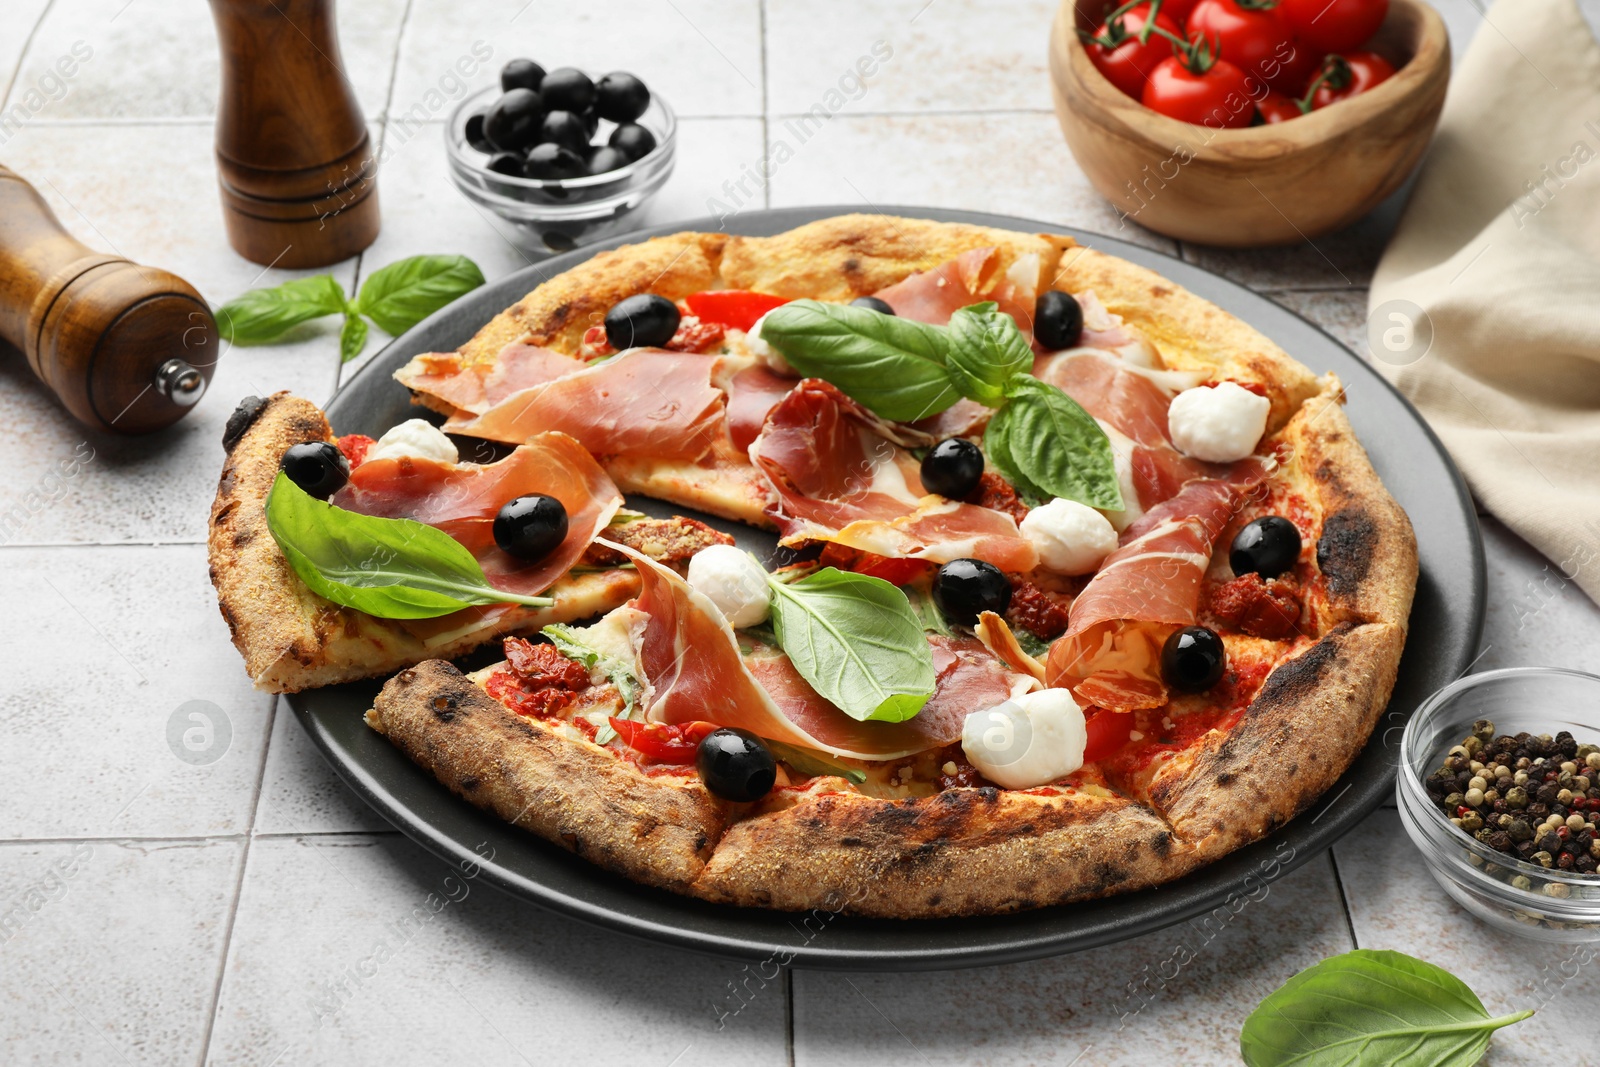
(263, 315)
(405, 292)
(929, 617)
(352, 338)
(986, 351)
(894, 366)
(390, 568)
(816, 764)
(857, 641)
(1368, 1008)
(1046, 445)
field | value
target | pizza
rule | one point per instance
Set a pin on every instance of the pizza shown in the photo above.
(1087, 583)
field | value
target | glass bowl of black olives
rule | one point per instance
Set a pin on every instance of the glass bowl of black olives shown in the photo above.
(560, 157)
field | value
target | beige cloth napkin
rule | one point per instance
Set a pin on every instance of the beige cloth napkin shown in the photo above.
(1498, 257)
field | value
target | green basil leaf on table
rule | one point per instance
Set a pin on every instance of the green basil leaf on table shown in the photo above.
(389, 568)
(399, 296)
(986, 351)
(261, 316)
(352, 337)
(1368, 1008)
(817, 764)
(893, 366)
(857, 641)
(1043, 442)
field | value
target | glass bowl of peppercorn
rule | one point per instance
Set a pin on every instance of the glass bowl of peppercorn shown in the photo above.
(1499, 788)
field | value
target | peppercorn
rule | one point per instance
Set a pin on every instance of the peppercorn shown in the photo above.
(1558, 889)
(1542, 858)
(1549, 842)
(1474, 798)
(1522, 881)
(1520, 830)
(1471, 822)
(1516, 798)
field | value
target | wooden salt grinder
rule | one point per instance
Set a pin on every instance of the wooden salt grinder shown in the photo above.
(298, 176)
(127, 349)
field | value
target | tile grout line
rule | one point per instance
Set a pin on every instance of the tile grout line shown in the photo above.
(1344, 900)
(181, 839)
(22, 56)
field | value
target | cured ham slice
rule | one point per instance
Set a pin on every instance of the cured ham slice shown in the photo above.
(753, 392)
(645, 402)
(997, 637)
(462, 498)
(932, 296)
(694, 670)
(478, 388)
(843, 475)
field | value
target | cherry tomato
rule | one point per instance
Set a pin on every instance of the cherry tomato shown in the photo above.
(1177, 10)
(1334, 25)
(1254, 39)
(1108, 731)
(1127, 63)
(892, 570)
(1218, 97)
(1275, 108)
(735, 308)
(661, 742)
(1365, 69)
(1292, 67)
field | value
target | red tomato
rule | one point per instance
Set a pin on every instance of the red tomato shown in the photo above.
(1254, 39)
(1108, 732)
(1362, 70)
(663, 743)
(1116, 52)
(1176, 10)
(893, 570)
(1334, 25)
(1275, 107)
(1295, 66)
(1218, 97)
(735, 308)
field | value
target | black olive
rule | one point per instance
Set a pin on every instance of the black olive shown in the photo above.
(567, 89)
(736, 765)
(1057, 320)
(621, 97)
(633, 139)
(1268, 547)
(964, 588)
(643, 321)
(507, 163)
(550, 162)
(521, 74)
(1193, 659)
(512, 122)
(872, 303)
(530, 527)
(318, 467)
(475, 136)
(952, 468)
(605, 158)
(591, 124)
(565, 129)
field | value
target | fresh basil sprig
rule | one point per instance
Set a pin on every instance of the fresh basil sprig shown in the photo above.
(857, 641)
(1370, 1008)
(390, 568)
(1045, 445)
(986, 351)
(397, 297)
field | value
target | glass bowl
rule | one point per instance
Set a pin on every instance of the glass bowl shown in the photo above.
(1547, 904)
(557, 216)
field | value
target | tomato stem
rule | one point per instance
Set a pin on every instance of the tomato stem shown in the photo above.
(1197, 56)
(1335, 72)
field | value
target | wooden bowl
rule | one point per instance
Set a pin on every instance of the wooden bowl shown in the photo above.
(1261, 185)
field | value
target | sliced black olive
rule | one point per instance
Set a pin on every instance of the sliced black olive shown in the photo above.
(565, 129)
(1057, 320)
(550, 162)
(507, 163)
(952, 468)
(1268, 546)
(1193, 659)
(605, 158)
(736, 765)
(567, 89)
(318, 467)
(965, 588)
(521, 74)
(633, 139)
(643, 321)
(621, 97)
(530, 527)
(512, 122)
(872, 303)
(475, 136)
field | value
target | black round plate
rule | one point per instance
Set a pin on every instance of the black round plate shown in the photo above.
(1445, 625)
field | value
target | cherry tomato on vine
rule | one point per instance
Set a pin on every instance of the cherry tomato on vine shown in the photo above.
(1177, 10)
(1295, 67)
(1274, 107)
(1334, 25)
(1249, 34)
(1217, 96)
(1116, 52)
(1362, 71)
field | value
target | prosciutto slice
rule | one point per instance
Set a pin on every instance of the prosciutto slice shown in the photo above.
(478, 388)
(645, 402)
(974, 276)
(842, 475)
(753, 392)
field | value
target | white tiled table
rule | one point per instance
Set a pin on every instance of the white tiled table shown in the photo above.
(251, 911)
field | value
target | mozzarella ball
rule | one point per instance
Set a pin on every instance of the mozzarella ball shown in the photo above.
(732, 580)
(417, 438)
(1218, 423)
(1032, 739)
(1071, 538)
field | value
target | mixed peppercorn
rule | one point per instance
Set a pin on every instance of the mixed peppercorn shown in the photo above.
(1531, 796)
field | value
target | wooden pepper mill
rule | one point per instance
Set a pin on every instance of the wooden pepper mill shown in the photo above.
(127, 349)
(297, 170)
